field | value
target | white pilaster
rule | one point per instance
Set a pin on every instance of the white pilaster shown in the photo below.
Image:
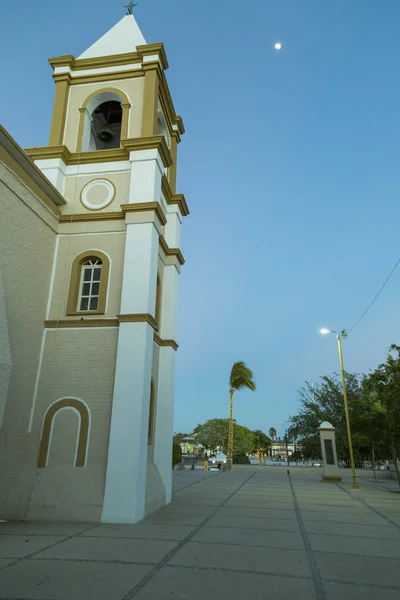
(173, 229)
(146, 173)
(140, 269)
(166, 381)
(164, 422)
(54, 170)
(125, 487)
(169, 308)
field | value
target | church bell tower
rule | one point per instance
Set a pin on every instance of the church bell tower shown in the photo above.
(106, 377)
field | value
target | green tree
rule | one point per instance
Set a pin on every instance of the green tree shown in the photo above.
(262, 443)
(324, 402)
(240, 377)
(383, 386)
(213, 434)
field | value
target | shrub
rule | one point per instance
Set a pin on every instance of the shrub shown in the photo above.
(240, 458)
(176, 454)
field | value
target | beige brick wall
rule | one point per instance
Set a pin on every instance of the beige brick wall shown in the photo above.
(27, 240)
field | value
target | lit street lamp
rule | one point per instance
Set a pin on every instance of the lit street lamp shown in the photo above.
(343, 334)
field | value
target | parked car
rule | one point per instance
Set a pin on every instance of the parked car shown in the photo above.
(220, 457)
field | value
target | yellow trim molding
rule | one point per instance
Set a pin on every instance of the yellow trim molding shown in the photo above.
(98, 78)
(112, 60)
(171, 251)
(75, 281)
(59, 112)
(172, 169)
(149, 118)
(83, 217)
(78, 158)
(161, 342)
(171, 198)
(99, 156)
(146, 206)
(83, 431)
(180, 200)
(138, 318)
(83, 322)
(157, 48)
(154, 142)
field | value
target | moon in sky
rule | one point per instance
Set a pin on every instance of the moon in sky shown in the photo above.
(278, 46)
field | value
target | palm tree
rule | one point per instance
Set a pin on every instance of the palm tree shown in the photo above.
(272, 433)
(241, 377)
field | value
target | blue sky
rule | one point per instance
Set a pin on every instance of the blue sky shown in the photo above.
(290, 169)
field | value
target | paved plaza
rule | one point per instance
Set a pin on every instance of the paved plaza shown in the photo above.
(254, 533)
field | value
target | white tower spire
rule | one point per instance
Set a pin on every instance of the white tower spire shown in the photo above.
(123, 38)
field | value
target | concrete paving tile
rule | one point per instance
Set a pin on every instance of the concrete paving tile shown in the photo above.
(364, 519)
(244, 537)
(195, 584)
(6, 561)
(186, 509)
(110, 549)
(142, 530)
(355, 508)
(23, 528)
(275, 560)
(270, 513)
(364, 531)
(54, 580)
(251, 523)
(357, 569)
(343, 591)
(175, 519)
(19, 545)
(178, 500)
(350, 545)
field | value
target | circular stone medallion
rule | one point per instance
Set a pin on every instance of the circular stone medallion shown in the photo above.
(97, 194)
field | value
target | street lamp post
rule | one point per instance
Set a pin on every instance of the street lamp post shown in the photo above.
(346, 406)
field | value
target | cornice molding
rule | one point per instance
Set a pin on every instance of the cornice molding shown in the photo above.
(154, 142)
(138, 318)
(171, 251)
(161, 342)
(146, 206)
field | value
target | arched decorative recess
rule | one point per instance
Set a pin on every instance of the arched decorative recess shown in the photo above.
(83, 436)
(77, 282)
(152, 413)
(92, 102)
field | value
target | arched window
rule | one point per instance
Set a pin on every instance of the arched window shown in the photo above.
(88, 285)
(103, 121)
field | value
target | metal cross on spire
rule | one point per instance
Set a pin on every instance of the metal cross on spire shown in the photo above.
(130, 7)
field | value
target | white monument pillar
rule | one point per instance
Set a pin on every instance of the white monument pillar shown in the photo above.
(331, 471)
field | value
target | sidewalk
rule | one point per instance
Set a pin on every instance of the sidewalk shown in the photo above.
(252, 533)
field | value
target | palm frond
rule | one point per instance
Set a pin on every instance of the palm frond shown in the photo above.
(241, 376)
